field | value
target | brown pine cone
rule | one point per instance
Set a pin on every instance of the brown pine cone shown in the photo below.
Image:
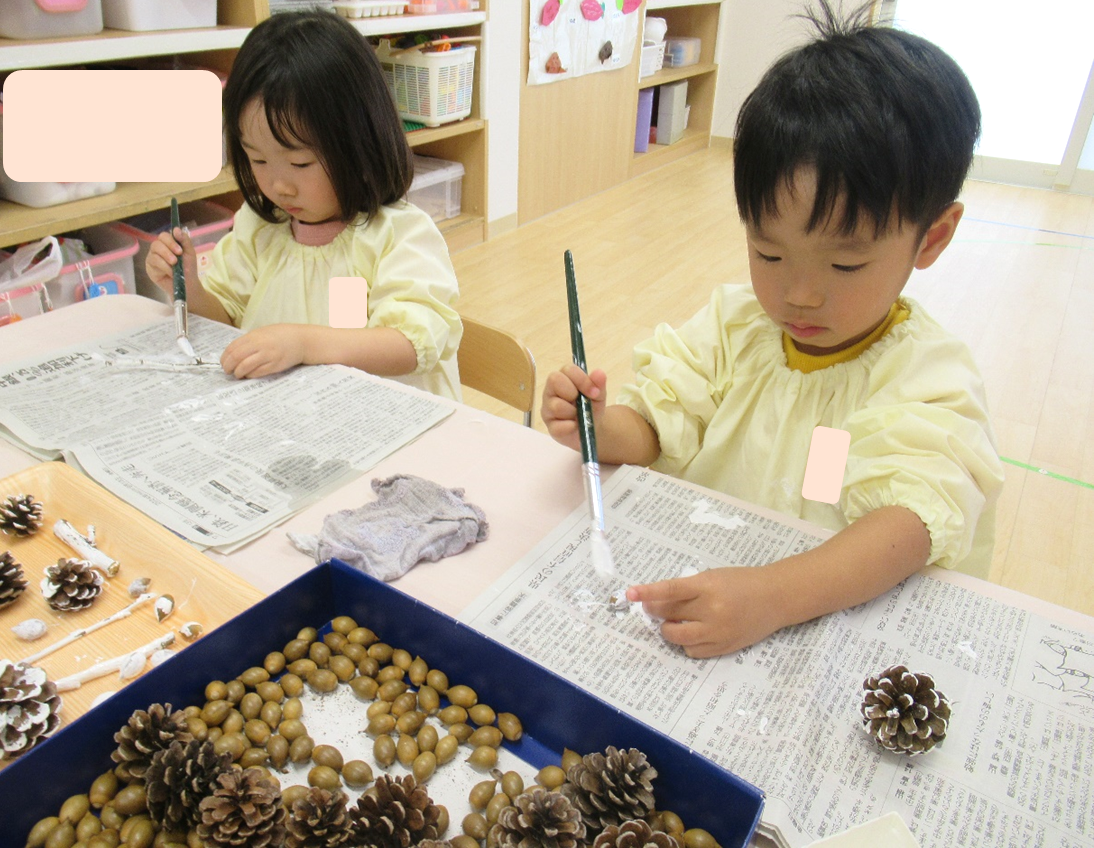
(633, 834)
(29, 707)
(318, 820)
(71, 584)
(178, 777)
(541, 818)
(143, 735)
(12, 583)
(244, 811)
(20, 515)
(903, 711)
(611, 788)
(395, 812)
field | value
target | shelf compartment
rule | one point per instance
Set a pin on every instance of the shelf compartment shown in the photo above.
(661, 154)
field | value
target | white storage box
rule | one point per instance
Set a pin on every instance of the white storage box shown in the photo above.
(143, 15)
(369, 8)
(208, 223)
(432, 88)
(653, 58)
(50, 18)
(43, 194)
(436, 187)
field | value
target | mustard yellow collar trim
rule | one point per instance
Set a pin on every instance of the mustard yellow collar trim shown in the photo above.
(807, 363)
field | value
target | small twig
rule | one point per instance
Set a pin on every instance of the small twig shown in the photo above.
(77, 634)
(75, 681)
(85, 546)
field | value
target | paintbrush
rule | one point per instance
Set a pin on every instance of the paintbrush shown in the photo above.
(182, 323)
(590, 467)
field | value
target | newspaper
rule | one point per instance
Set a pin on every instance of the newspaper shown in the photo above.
(214, 459)
(1016, 767)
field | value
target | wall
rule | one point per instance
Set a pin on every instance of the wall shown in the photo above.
(502, 79)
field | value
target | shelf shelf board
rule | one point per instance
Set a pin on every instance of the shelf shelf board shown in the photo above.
(666, 75)
(662, 154)
(115, 44)
(391, 24)
(651, 5)
(431, 134)
(24, 223)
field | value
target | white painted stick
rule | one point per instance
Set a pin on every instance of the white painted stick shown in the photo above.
(76, 634)
(75, 681)
(85, 548)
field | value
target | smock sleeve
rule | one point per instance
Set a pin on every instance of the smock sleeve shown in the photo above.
(233, 266)
(414, 289)
(681, 375)
(924, 442)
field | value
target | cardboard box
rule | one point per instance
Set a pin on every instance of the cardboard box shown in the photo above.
(555, 713)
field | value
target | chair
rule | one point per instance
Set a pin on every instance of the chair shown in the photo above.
(498, 364)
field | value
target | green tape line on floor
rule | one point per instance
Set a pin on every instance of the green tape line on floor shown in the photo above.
(1048, 473)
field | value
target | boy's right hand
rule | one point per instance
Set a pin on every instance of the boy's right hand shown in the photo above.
(165, 252)
(559, 407)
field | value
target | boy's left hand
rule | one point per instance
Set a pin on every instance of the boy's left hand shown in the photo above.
(714, 612)
(267, 350)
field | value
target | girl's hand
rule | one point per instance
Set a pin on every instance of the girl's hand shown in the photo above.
(559, 407)
(164, 254)
(267, 350)
(714, 612)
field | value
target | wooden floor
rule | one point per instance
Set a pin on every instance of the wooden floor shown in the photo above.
(1017, 285)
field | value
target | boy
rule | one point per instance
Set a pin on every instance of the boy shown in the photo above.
(848, 159)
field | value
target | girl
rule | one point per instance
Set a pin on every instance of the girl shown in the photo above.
(848, 159)
(320, 155)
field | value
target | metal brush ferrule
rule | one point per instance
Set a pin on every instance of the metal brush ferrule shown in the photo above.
(590, 472)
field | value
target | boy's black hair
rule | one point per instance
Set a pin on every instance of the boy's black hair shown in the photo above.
(886, 119)
(322, 87)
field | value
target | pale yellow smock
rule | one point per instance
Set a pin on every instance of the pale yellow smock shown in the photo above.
(732, 416)
(261, 275)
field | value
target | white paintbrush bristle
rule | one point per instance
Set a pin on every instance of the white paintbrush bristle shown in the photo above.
(603, 563)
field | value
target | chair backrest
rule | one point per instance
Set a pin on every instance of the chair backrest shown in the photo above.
(498, 364)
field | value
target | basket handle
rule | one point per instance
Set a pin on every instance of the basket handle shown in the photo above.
(435, 42)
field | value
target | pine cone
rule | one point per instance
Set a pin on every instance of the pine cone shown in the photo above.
(611, 788)
(541, 818)
(903, 711)
(244, 811)
(633, 834)
(20, 515)
(12, 583)
(71, 584)
(395, 812)
(178, 778)
(318, 820)
(29, 707)
(146, 733)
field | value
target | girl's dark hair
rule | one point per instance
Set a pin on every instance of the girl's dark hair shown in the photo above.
(886, 119)
(322, 87)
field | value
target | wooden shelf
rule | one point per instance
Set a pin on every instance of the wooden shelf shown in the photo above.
(666, 75)
(662, 154)
(416, 138)
(392, 24)
(111, 44)
(24, 223)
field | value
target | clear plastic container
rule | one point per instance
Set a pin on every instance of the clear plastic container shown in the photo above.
(682, 51)
(441, 7)
(113, 250)
(369, 8)
(437, 187)
(50, 18)
(144, 15)
(208, 223)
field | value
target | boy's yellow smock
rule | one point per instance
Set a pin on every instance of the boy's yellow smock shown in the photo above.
(730, 415)
(261, 275)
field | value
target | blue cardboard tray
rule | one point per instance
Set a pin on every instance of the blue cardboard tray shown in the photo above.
(555, 713)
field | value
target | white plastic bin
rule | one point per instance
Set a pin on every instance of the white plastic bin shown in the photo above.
(208, 223)
(43, 194)
(432, 88)
(144, 15)
(114, 250)
(437, 187)
(50, 18)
